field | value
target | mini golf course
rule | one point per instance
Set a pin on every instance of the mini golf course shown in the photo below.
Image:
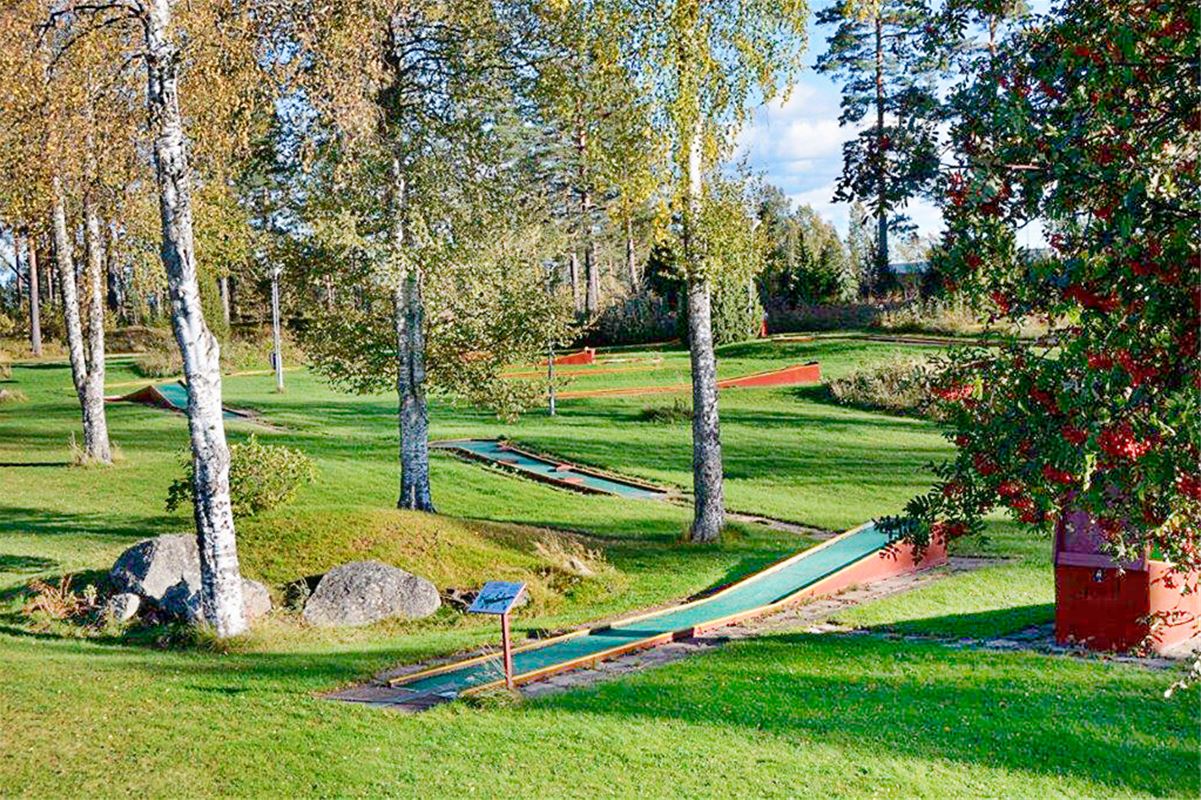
(857, 556)
(171, 396)
(796, 375)
(557, 473)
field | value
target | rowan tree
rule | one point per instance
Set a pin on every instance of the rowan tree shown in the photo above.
(1087, 122)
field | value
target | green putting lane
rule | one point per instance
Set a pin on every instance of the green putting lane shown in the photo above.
(754, 592)
(546, 469)
(176, 394)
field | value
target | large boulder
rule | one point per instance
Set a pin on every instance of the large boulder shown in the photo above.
(165, 571)
(363, 592)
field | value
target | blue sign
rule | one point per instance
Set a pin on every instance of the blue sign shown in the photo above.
(497, 597)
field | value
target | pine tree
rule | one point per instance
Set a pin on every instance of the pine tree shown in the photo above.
(888, 78)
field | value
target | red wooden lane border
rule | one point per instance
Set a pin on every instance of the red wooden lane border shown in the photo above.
(796, 375)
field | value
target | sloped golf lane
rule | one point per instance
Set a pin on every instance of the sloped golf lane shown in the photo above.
(858, 556)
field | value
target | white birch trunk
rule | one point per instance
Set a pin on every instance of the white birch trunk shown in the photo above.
(35, 298)
(221, 580)
(89, 386)
(276, 335)
(223, 291)
(413, 412)
(707, 481)
(573, 266)
(95, 421)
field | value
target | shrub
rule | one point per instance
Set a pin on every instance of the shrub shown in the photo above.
(897, 386)
(937, 316)
(678, 411)
(139, 339)
(261, 477)
(6, 367)
(162, 361)
(641, 319)
(787, 318)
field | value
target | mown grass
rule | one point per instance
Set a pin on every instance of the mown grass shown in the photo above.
(781, 716)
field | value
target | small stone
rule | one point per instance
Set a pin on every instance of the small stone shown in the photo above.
(255, 599)
(122, 607)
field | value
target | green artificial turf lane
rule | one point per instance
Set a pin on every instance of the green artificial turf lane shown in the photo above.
(754, 592)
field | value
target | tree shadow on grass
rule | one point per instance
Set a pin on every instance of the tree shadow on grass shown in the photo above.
(1020, 712)
(979, 625)
(25, 564)
(41, 522)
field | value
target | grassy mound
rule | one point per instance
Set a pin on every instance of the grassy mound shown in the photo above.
(450, 552)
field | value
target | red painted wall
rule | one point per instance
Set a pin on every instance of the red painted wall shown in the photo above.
(789, 376)
(1108, 609)
(585, 356)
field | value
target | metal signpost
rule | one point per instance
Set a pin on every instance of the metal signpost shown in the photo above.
(499, 597)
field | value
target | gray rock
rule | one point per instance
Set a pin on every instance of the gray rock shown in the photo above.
(579, 567)
(165, 571)
(122, 607)
(157, 567)
(255, 599)
(363, 592)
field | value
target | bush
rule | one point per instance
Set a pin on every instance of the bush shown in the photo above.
(139, 339)
(261, 477)
(786, 318)
(936, 316)
(898, 387)
(161, 362)
(641, 319)
(6, 366)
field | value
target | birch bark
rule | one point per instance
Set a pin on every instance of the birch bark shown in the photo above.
(221, 581)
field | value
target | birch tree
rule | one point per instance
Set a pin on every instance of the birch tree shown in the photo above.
(704, 64)
(219, 54)
(412, 99)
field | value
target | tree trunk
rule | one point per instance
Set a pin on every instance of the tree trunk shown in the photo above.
(35, 297)
(330, 297)
(707, 488)
(277, 353)
(95, 422)
(89, 387)
(573, 266)
(882, 161)
(707, 483)
(223, 291)
(220, 577)
(409, 318)
(115, 294)
(591, 268)
(631, 256)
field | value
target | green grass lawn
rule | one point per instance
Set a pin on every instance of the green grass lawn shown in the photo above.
(781, 716)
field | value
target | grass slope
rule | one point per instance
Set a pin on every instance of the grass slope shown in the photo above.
(776, 717)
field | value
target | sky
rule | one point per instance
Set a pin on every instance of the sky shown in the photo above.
(797, 143)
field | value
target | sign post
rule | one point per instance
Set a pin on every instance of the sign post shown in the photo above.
(499, 597)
